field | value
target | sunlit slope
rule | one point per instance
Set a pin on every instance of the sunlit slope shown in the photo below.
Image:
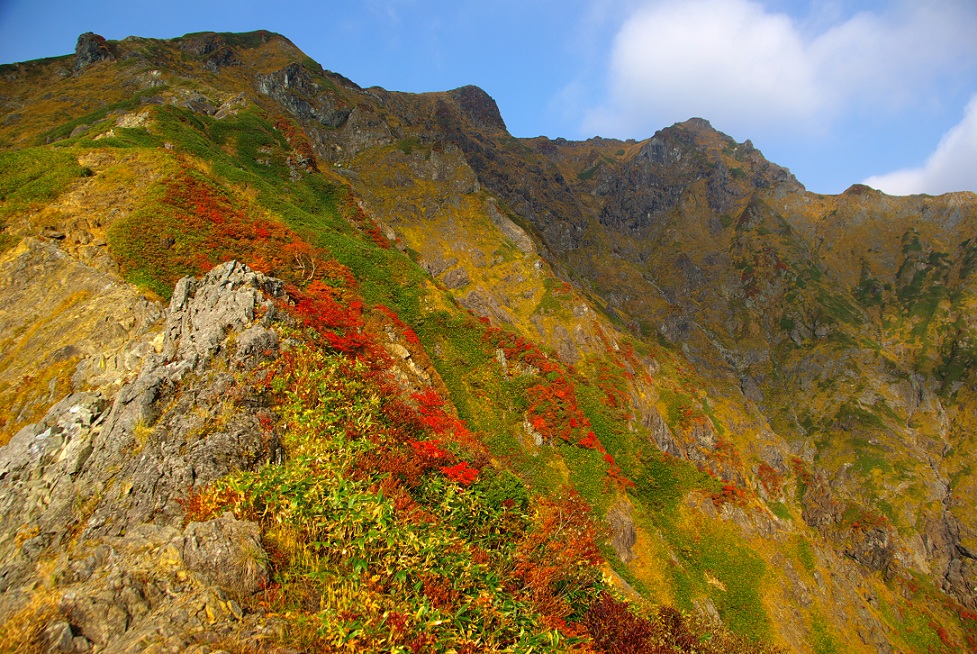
(762, 396)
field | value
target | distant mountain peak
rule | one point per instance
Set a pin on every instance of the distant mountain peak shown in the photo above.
(480, 107)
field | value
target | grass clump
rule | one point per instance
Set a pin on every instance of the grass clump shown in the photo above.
(721, 564)
(24, 630)
(821, 640)
(665, 481)
(31, 178)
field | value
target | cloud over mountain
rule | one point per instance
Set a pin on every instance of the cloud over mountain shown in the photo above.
(951, 167)
(755, 71)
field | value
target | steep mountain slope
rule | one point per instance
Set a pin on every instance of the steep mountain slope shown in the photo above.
(478, 380)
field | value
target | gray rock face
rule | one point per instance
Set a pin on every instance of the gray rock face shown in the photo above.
(820, 509)
(227, 553)
(212, 48)
(660, 433)
(871, 547)
(479, 106)
(101, 479)
(623, 533)
(91, 48)
(294, 88)
(456, 278)
(203, 311)
(512, 231)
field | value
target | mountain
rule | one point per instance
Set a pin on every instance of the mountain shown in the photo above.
(287, 364)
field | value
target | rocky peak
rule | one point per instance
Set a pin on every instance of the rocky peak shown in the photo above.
(91, 48)
(479, 106)
(212, 48)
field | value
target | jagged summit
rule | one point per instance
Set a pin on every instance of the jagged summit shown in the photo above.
(479, 106)
(286, 362)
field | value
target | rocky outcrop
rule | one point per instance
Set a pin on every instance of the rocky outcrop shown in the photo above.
(102, 480)
(820, 508)
(623, 533)
(91, 48)
(659, 431)
(227, 553)
(294, 88)
(512, 231)
(479, 106)
(212, 49)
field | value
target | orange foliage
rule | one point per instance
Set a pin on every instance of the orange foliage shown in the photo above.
(731, 494)
(770, 479)
(202, 503)
(555, 564)
(299, 142)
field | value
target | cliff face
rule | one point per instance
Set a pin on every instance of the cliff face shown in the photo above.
(764, 395)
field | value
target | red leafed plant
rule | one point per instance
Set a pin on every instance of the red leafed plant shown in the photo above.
(353, 212)
(555, 565)
(553, 409)
(430, 453)
(731, 494)
(770, 478)
(434, 417)
(299, 142)
(614, 628)
(589, 441)
(409, 335)
(461, 473)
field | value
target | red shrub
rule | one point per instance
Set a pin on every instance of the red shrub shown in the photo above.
(553, 408)
(353, 212)
(672, 634)
(589, 441)
(555, 565)
(460, 473)
(800, 470)
(430, 453)
(770, 479)
(613, 627)
(439, 591)
(731, 494)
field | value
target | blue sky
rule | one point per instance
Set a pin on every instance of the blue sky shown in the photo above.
(839, 91)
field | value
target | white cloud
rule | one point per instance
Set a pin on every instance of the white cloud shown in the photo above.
(753, 71)
(713, 58)
(951, 167)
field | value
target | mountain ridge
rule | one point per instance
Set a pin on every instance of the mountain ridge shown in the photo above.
(811, 355)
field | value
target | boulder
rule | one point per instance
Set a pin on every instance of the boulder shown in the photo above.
(91, 48)
(227, 553)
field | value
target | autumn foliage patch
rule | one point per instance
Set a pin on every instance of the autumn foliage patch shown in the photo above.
(770, 479)
(356, 215)
(193, 225)
(555, 564)
(304, 153)
(553, 409)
